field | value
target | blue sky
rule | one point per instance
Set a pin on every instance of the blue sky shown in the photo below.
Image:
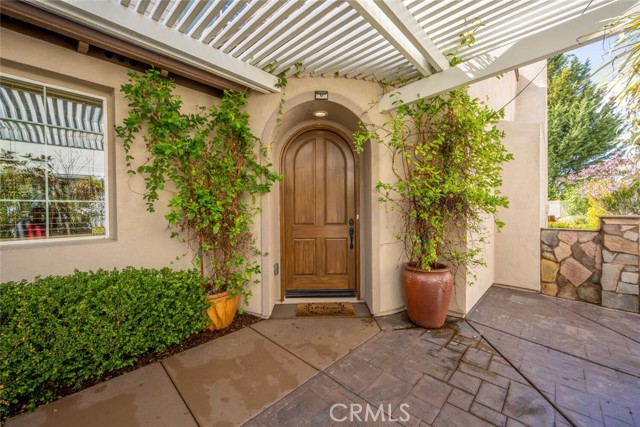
(596, 52)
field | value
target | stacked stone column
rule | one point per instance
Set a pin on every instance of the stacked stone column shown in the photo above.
(620, 279)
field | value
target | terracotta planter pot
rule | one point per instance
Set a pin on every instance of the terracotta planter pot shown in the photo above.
(427, 294)
(222, 310)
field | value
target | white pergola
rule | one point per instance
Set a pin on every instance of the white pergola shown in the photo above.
(251, 42)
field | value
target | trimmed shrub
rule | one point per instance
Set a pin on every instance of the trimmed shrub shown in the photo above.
(568, 224)
(625, 200)
(60, 331)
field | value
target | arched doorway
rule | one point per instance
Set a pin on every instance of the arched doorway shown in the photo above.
(319, 215)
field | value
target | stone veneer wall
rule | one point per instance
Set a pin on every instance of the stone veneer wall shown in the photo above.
(571, 264)
(599, 267)
(620, 262)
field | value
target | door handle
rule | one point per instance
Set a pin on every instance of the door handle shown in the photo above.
(352, 231)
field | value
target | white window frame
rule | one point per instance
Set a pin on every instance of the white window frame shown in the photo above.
(48, 240)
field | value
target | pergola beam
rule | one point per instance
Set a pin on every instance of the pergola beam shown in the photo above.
(410, 28)
(379, 20)
(117, 21)
(575, 32)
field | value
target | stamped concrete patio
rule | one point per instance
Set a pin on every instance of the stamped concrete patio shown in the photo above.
(518, 359)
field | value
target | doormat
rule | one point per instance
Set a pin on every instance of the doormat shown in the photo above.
(325, 309)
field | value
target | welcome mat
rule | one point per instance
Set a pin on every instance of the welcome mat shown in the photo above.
(325, 309)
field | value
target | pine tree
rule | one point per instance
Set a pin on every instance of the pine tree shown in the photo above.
(583, 128)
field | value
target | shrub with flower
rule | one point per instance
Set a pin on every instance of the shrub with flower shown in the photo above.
(608, 188)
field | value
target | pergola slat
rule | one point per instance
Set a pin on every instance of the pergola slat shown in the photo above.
(206, 18)
(315, 37)
(291, 28)
(217, 38)
(189, 19)
(142, 6)
(256, 27)
(411, 29)
(386, 27)
(159, 9)
(249, 41)
(176, 12)
(268, 30)
(524, 51)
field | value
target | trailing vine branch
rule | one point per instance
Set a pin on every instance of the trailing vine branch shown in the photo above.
(212, 162)
(447, 157)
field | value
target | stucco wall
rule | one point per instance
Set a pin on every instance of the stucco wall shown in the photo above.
(141, 239)
(137, 238)
(525, 182)
(381, 254)
(348, 102)
(516, 245)
(513, 252)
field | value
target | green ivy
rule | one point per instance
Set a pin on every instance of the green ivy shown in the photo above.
(60, 331)
(216, 168)
(447, 159)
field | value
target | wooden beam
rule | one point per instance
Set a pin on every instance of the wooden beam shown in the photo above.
(60, 25)
(372, 13)
(558, 39)
(121, 23)
(83, 47)
(413, 31)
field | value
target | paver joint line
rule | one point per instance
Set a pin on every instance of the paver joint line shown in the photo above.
(590, 319)
(164, 368)
(284, 348)
(613, 368)
(531, 383)
(297, 357)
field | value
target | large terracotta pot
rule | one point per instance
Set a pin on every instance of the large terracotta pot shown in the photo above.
(222, 309)
(427, 294)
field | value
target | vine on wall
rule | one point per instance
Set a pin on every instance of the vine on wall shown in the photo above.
(213, 167)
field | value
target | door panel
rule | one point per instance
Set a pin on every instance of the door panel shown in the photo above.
(304, 257)
(318, 202)
(335, 184)
(336, 251)
(304, 179)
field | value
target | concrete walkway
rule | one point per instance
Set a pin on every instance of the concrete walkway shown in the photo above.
(518, 359)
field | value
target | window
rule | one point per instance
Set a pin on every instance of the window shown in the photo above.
(52, 163)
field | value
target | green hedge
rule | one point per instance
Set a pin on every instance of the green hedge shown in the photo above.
(570, 224)
(60, 331)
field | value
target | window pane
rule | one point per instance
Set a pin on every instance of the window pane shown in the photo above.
(75, 123)
(21, 178)
(22, 220)
(76, 174)
(76, 219)
(24, 132)
(21, 102)
(52, 163)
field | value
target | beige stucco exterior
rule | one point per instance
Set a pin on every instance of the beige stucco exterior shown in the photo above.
(139, 238)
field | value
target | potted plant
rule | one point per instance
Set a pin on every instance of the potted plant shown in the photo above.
(447, 156)
(213, 168)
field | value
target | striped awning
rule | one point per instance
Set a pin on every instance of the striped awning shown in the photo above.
(31, 113)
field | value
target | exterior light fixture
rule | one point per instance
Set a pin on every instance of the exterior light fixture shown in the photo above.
(320, 114)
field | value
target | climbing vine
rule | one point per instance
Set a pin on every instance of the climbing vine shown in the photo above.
(214, 169)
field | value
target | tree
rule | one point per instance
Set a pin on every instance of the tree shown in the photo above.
(583, 128)
(620, 72)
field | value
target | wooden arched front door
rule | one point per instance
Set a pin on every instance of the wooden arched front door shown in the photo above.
(319, 216)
